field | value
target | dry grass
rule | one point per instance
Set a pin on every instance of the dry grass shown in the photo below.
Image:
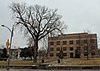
(73, 61)
(21, 63)
(17, 63)
(94, 61)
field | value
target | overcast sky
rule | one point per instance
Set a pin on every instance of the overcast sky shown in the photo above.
(79, 15)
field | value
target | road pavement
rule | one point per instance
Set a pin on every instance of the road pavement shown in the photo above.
(43, 70)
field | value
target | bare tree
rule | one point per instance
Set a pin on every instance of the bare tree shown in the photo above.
(37, 21)
(87, 45)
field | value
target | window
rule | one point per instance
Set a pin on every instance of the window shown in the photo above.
(77, 41)
(64, 42)
(92, 53)
(58, 42)
(93, 47)
(92, 41)
(51, 49)
(58, 49)
(71, 42)
(85, 53)
(64, 48)
(78, 48)
(85, 47)
(51, 43)
(71, 55)
(71, 48)
(85, 41)
(57, 54)
(51, 54)
(65, 54)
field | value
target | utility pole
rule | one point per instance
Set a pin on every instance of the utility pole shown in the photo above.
(9, 45)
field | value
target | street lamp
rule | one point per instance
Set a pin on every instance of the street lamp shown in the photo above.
(11, 31)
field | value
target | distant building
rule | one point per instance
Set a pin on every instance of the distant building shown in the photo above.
(14, 53)
(75, 45)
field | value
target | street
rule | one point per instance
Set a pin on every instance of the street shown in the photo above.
(43, 70)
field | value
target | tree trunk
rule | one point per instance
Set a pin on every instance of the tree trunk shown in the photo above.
(88, 53)
(35, 51)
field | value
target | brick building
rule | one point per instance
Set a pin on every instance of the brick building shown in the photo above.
(76, 45)
(99, 52)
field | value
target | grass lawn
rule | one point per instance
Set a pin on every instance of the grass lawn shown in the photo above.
(17, 63)
(95, 61)
(77, 61)
(72, 61)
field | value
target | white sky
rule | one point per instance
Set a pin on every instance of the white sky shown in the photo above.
(79, 15)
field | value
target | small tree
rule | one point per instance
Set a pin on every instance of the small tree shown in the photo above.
(27, 52)
(30, 52)
(42, 53)
(61, 56)
(88, 46)
(4, 54)
(77, 53)
(24, 53)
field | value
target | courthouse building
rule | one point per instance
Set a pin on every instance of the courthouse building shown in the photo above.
(76, 45)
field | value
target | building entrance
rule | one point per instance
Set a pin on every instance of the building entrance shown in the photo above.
(71, 55)
(77, 55)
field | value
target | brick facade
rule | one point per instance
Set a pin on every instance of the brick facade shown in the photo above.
(75, 45)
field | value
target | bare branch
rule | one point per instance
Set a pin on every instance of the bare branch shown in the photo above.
(38, 21)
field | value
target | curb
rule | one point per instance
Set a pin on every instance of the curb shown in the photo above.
(50, 67)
